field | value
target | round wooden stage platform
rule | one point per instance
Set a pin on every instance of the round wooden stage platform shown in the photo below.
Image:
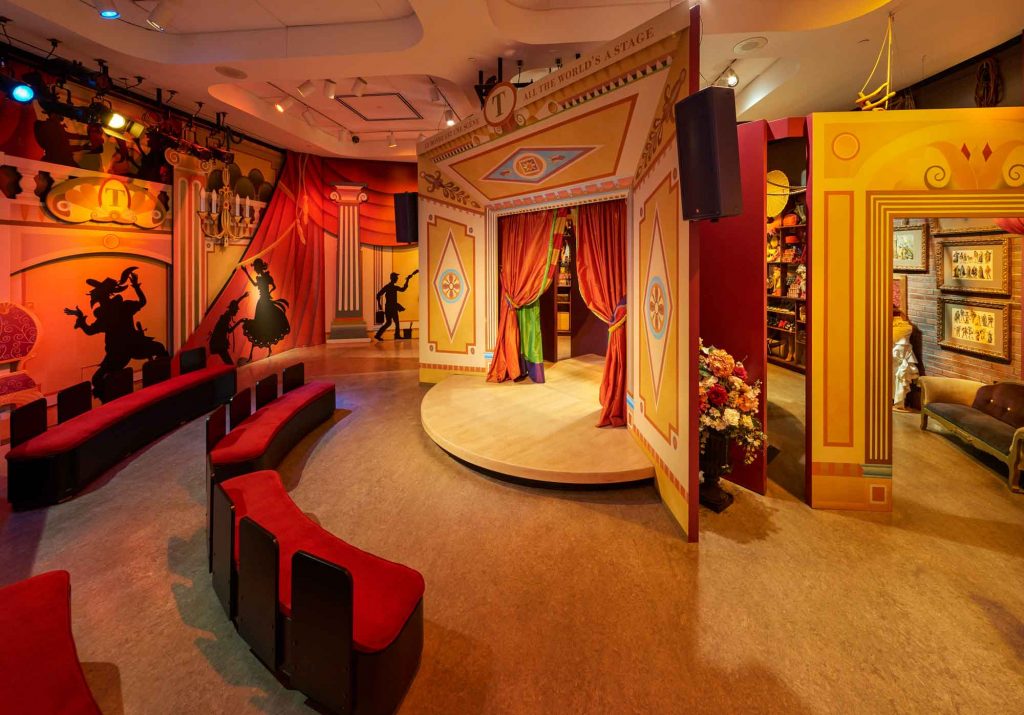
(543, 432)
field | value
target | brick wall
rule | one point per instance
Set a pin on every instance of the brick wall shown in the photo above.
(922, 308)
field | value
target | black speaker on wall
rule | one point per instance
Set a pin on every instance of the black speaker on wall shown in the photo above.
(406, 222)
(709, 155)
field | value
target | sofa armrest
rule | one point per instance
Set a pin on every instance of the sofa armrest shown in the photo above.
(948, 389)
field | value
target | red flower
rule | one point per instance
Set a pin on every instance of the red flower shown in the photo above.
(740, 371)
(718, 396)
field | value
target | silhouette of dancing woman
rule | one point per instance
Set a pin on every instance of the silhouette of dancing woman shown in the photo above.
(269, 324)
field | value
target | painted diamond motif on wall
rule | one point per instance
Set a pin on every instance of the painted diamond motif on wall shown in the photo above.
(534, 165)
(450, 285)
(657, 306)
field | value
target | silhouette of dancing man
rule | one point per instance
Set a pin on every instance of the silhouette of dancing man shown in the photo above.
(124, 337)
(391, 305)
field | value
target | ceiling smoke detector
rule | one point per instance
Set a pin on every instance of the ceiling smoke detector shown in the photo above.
(751, 44)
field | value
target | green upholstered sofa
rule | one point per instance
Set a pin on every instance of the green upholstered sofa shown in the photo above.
(989, 417)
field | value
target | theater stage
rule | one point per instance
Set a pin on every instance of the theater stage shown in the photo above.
(540, 432)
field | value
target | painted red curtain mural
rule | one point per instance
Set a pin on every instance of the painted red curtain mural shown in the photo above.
(290, 241)
(601, 266)
(529, 247)
(1011, 225)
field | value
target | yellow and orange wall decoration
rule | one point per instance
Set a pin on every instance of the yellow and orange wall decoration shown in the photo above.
(868, 169)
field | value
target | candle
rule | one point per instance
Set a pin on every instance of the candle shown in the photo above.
(238, 205)
(202, 199)
(248, 207)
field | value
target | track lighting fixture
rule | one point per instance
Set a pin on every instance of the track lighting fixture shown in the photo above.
(306, 88)
(107, 9)
(16, 90)
(330, 88)
(391, 140)
(308, 116)
(731, 78)
(435, 94)
(359, 86)
(284, 104)
(449, 118)
(161, 15)
(114, 121)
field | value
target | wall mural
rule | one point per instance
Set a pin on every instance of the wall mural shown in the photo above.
(869, 169)
(124, 338)
(269, 324)
(223, 333)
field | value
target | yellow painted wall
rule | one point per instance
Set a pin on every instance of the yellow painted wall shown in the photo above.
(867, 169)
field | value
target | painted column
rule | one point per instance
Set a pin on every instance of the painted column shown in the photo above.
(188, 247)
(348, 324)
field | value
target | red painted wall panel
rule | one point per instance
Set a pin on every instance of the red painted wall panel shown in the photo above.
(733, 276)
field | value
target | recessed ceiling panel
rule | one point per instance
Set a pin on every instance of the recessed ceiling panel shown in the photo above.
(382, 107)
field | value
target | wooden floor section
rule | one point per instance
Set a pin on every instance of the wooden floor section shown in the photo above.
(542, 432)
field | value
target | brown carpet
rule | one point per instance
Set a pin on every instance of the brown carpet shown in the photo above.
(540, 601)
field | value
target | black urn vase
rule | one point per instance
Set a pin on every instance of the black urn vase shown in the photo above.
(714, 462)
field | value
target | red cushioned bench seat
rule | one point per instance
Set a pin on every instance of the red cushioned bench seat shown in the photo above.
(61, 461)
(39, 669)
(263, 439)
(274, 568)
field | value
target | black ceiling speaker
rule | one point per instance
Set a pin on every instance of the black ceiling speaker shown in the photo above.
(709, 157)
(406, 219)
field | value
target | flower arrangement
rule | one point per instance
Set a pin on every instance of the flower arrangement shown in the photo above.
(728, 403)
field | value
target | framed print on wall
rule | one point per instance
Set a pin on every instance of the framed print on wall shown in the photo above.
(974, 326)
(899, 295)
(974, 264)
(910, 249)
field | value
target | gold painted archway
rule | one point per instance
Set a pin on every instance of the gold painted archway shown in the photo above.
(868, 169)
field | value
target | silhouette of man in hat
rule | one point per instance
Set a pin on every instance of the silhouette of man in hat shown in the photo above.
(124, 338)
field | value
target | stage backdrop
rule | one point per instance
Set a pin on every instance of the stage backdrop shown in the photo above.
(291, 275)
(601, 126)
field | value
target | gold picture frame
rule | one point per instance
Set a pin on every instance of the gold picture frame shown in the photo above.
(978, 327)
(976, 261)
(910, 248)
(899, 294)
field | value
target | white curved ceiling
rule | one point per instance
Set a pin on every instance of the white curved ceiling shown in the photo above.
(814, 59)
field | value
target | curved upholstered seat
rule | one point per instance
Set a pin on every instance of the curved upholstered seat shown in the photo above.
(248, 442)
(39, 669)
(385, 593)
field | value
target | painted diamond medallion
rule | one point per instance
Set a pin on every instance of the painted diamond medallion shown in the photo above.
(450, 285)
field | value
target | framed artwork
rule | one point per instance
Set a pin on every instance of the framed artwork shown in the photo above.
(899, 295)
(910, 249)
(974, 262)
(974, 326)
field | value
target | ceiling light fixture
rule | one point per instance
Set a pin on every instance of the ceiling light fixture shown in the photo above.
(18, 91)
(731, 78)
(308, 116)
(306, 88)
(435, 94)
(330, 88)
(359, 86)
(449, 118)
(107, 10)
(115, 121)
(161, 15)
(283, 105)
(391, 140)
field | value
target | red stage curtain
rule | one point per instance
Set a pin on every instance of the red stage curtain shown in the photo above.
(529, 248)
(1011, 225)
(601, 266)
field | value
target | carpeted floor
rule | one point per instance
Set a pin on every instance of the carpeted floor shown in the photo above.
(541, 601)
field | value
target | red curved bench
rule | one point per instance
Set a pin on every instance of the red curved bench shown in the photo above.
(261, 440)
(39, 669)
(296, 592)
(46, 466)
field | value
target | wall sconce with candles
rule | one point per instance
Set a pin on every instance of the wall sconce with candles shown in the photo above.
(224, 216)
